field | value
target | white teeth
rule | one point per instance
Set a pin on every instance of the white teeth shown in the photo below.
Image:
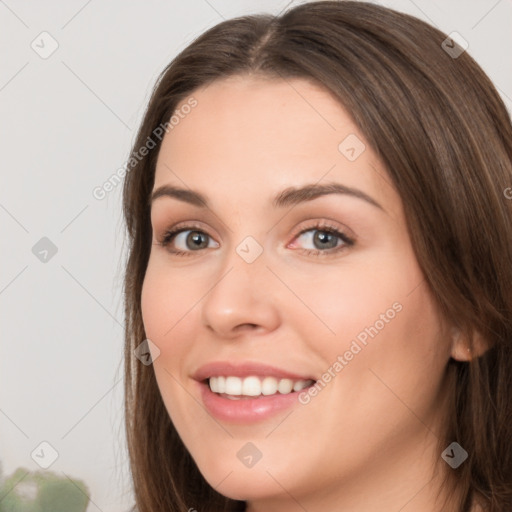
(214, 386)
(255, 386)
(301, 384)
(269, 386)
(285, 386)
(251, 386)
(233, 386)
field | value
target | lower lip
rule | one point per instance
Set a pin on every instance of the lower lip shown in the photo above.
(246, 410)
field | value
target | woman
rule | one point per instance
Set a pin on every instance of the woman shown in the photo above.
(319, 271)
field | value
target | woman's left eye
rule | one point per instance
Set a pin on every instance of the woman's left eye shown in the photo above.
(326, 240)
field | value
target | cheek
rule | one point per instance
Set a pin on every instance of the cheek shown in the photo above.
(394, 352)
(378, 315)
(351, 300)
(168, 311)
(165, 301)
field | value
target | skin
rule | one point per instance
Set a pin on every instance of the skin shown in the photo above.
(375, 446)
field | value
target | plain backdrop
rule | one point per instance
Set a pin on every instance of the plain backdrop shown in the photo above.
(67, 123)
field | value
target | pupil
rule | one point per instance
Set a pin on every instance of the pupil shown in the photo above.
(323, 237)
(196, 237)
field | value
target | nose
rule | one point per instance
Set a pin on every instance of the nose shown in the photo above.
(242, 298)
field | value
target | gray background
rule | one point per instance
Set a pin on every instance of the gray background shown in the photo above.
(67, 124)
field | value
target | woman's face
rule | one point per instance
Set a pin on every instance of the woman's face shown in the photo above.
(273, 283)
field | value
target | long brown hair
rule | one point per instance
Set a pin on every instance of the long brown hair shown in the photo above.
(445, 137)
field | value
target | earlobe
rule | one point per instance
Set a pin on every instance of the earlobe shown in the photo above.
(466, 347)
(461, 353)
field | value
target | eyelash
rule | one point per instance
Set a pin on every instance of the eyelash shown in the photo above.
(318, 226)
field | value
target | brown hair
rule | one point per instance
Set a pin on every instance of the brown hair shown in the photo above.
(445, 137)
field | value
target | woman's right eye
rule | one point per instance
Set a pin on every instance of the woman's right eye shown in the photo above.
(189, 238)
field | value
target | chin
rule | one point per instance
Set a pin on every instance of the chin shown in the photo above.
(244, 483)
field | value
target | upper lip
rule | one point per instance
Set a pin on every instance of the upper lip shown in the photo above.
(245, 369)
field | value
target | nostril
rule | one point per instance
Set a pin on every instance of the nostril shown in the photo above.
(247, 326)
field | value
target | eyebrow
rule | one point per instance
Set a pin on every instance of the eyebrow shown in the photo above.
(288, 197)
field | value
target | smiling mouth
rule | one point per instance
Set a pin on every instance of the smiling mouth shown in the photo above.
(252, 387)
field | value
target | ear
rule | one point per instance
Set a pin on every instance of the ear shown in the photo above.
(467, 346)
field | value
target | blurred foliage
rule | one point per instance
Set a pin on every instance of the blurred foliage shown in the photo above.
(41, 491)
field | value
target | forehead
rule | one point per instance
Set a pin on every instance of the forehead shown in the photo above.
(260, 136)
(255, 112)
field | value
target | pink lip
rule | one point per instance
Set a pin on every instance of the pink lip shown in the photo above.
(245, 369)
(245, 410)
